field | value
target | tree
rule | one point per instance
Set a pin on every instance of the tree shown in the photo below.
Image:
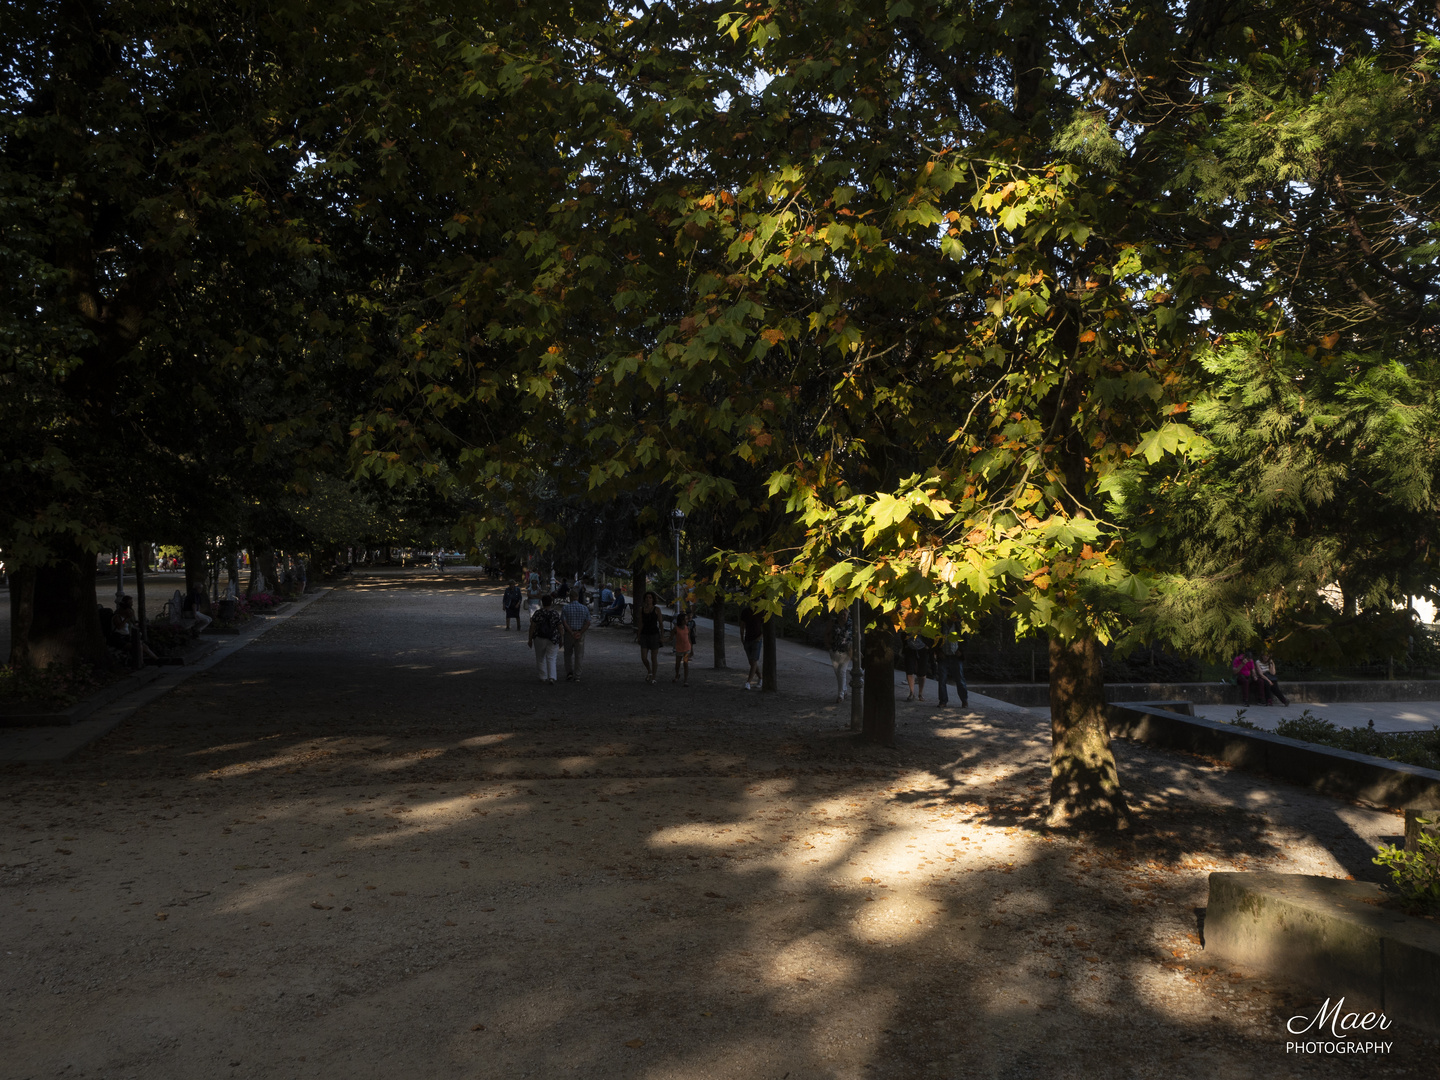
(154, 211)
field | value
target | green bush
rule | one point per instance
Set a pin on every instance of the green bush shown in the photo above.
(1420, 748)
(1415, 874)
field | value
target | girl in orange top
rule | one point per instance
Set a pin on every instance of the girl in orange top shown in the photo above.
(683, 646)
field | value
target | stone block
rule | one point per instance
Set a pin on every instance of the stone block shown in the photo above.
(1329, 936)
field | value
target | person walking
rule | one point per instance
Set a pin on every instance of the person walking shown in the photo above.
(683, 646)
(575, 616)
(950, 665)
(752, 639)
(511, 603)
(915, 650)
(840, 639)
(649, 636)
(545, 628)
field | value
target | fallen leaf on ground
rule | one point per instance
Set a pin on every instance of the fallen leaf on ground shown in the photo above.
(635, 1044)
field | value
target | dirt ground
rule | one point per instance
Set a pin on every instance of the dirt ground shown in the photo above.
(372, 844)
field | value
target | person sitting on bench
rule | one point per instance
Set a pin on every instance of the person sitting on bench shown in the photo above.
(195, 599)
(127, 629)
(616, 610)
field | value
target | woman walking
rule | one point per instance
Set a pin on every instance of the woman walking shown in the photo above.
(545, 638)
(839, 639)
(649, 637)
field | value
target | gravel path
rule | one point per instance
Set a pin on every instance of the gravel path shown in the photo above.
(373, 845)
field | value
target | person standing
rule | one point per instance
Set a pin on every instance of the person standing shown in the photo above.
(545, 638)
(840, 639)
(752, 639)
(648, 634)
(950, 665)
(511, 603)
(575, 616)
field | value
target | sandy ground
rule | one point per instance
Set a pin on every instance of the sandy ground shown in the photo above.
(371, 844)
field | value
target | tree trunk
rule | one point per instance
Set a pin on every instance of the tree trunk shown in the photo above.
(637, 588)
(252, 581)
(717, 613)
(768, 682)
(22, 614)
(142, 559)
(197, 571)
(264, 558)
(1084, 785)
(878, 656)
(53, 613)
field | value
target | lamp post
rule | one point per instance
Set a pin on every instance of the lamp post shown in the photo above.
(119, 576)
(679, 516)
(595, 559)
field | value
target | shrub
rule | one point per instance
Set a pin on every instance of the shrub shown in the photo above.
(1415, 875)
(1420, 748)
(54, 684)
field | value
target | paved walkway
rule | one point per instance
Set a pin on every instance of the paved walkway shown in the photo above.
(371, 844)
(1386, 715)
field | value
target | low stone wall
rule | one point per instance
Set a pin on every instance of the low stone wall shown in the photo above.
(1320, 768)
(1331, 937)
(1037, 695)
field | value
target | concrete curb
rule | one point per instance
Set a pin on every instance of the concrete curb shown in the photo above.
(1329, 936)
(1320, 768)
(56, 743)
(1037, 695)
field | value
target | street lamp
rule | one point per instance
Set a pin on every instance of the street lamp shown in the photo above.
(679, 516)
(595, 559)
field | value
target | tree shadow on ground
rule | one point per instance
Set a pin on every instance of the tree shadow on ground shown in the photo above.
(605, 883)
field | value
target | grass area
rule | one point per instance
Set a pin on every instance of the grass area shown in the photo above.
(1421, 748)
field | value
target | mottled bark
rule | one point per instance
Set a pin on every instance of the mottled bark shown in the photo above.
(1084, 784)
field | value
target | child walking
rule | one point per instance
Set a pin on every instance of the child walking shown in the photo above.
(683, 647)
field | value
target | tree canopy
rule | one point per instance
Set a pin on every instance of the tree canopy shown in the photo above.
(1118, 319)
